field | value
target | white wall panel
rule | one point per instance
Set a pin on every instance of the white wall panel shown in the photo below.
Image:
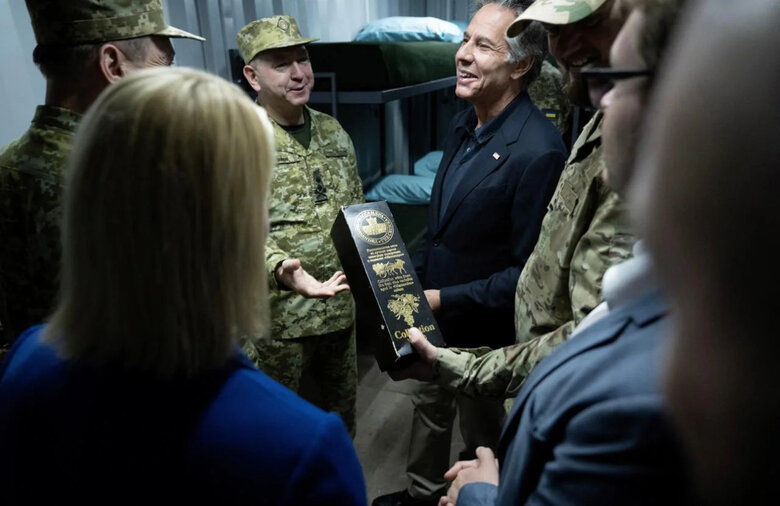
(184, 14)
(22, 87)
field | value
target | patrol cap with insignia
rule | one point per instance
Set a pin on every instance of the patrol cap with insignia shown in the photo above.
(554, 12)
(72, 22)
(269, 33)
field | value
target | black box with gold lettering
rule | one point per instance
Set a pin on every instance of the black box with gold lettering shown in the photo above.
(388, 296)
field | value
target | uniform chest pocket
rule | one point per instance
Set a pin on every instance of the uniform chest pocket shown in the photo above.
(565, 200)
(335, 152)
(331, 168)
(286, 158)
(557, 229)
(290, 187)
(289, 170)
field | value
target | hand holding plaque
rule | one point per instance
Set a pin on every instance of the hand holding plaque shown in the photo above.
(421, 369)
(388, 296)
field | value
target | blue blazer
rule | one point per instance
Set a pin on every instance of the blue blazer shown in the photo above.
(475, 249)
(590, 425)
(71, 433)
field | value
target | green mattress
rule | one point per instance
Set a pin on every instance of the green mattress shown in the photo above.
(369, 66)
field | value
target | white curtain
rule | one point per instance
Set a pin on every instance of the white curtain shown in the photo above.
(217, 20)
(328, 20)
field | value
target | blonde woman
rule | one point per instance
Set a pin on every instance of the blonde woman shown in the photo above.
(136, 391)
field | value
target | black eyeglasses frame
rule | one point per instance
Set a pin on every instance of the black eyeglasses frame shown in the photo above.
(615, 74)
(608, 76)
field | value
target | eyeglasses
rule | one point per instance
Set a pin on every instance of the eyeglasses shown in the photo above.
(598, 81)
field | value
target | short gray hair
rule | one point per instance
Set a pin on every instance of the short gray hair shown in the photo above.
(531, 43)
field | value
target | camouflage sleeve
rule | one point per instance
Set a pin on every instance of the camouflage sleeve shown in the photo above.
(608, 241)
(482, 372)
(502, 372)
(274, 255)
(356, 183)
(547, 93)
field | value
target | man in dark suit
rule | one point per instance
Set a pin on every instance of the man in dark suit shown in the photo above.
(590, 424)
(501, 164)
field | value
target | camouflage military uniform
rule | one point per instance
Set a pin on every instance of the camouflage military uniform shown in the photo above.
(31, 179)
(554, 12)
(31, 168)
(86, 21)
(308, 187)
(547, 94)
(269, 33)
(585, 231)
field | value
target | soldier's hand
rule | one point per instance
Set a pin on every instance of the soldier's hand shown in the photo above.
(482, 469)
(423, 368)
(291, 274)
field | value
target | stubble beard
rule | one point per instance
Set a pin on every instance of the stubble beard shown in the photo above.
(575, 89)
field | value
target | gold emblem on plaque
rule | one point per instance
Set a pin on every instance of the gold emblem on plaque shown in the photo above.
(383, 269)
(404, 306)
(374, 227)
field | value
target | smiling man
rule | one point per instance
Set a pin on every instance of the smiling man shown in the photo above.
(590, 426)
(584, 232)
(315, 174)
(501, 162)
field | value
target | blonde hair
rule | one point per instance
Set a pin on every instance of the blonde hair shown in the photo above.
(164, 226)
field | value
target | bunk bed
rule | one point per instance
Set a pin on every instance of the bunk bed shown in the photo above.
(359, 83)
(381, 66)
(376, 74)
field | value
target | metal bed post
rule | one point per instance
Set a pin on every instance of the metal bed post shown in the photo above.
(333, 92)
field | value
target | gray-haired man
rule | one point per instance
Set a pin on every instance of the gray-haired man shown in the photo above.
(501, 163)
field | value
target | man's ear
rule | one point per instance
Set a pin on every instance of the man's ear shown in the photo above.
(251, 77)
(522, 68)
(111, 62)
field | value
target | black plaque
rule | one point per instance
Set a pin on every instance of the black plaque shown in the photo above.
(388, 296)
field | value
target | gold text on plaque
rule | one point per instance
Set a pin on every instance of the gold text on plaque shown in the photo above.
(403, 334)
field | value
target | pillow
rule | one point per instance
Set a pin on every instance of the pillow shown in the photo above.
(402, 189)
(428, 164)
(409, 28)
(462, 25)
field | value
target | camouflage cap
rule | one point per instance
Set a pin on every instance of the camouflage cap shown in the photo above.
(269, 33)
(71, 22)
(554, 12)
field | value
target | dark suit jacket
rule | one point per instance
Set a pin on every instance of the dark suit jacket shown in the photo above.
(589, 426)
(474, 251)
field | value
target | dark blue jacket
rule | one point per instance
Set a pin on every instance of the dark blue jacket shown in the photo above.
(590, 427)
(474, 251)
(71, 434)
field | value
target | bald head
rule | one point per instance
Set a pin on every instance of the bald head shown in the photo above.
(706, 198)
